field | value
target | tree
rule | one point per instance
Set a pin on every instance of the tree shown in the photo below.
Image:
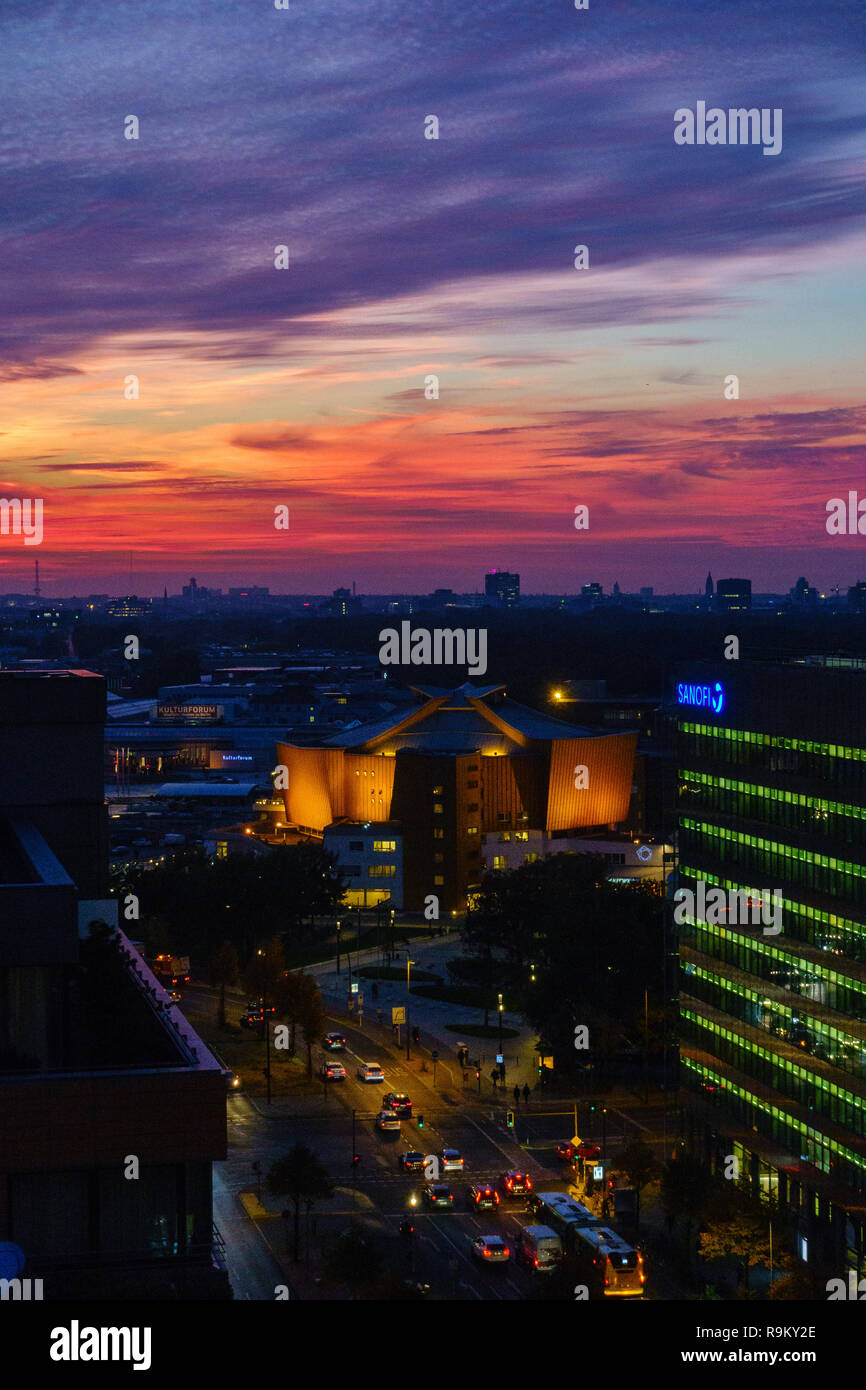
(263, 972)
(299, 1176)
(738, 1228)
(311, 1015)
(640, 1166)
(686, 1189)
(224, 970)
(289, 994)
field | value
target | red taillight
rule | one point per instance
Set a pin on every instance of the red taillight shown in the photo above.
(486, 1252)
(536, 1262)
(506, 1252)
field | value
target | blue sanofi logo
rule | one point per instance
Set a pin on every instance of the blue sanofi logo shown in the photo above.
(707, 696)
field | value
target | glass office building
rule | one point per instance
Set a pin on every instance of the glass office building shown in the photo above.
(771, 808)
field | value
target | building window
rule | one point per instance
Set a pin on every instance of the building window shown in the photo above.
(504, 837)
(521, 834)
(438, 880)
(384, 846)
(471, 786)
(351, 870)
(473, 806)
(529, 858)
(382, 871)
(499, 861)
(222, 849)
(437, 791)
(472, 830)
(438, 808)
(438, 858)
(355, 846)
(473, 767)
(438, 834)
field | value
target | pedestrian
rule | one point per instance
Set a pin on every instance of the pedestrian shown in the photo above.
(517, 1095)
(526, 1094)
(494, 1077)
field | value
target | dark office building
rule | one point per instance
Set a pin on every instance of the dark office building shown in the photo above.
(502, 588)
(734, 595)
(771, 768)
(96, 1064)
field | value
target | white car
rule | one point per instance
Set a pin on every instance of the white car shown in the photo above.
(387, 1120)
(333, 1071)
(490, 1250)
(452, 1161)
(370, 1071)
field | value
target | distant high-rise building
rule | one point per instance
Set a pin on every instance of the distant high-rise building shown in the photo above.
(857, 597)
(647, 591)
(502, 587)
(593, 591)
(802, 595)
(708, 587)
(734, 595)
(342, 604)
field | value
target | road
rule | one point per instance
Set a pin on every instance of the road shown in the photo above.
(376, 1193)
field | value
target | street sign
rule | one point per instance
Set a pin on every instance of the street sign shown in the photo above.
(398, 1013)
(598, 1172)
(499, 1059)
(354, 986)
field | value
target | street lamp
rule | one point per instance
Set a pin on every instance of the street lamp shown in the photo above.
(500, 1024)
(339, 929)
(409, 964)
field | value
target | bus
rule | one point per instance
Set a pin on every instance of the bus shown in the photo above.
(562, 1213)
(610, 1259)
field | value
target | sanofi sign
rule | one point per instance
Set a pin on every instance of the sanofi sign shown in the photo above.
(711, 697)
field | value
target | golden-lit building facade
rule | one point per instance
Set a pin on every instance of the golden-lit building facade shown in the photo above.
(466, 763)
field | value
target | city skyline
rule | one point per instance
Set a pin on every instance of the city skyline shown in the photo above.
(412, 258)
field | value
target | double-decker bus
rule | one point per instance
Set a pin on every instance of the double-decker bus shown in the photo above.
(613, 1266)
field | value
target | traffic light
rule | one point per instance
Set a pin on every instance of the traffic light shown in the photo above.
(416, 1035)
(539, 1069)
(477, 1075)
(434, 1055)
(356, 1159)
(420, 1121)
(509, 1119)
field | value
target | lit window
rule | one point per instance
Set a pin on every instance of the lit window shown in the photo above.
(472, 830)
(438, 834)
(499, 861)
(438, 881)
(382, 870)
(438, 808)
(437, 791)
(438, 858)
(384, 846)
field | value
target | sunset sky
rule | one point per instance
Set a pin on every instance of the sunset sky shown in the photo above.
(409, 257)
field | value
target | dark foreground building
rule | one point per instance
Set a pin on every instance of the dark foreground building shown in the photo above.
(771, 763)
(112, 1110)
(463, 764)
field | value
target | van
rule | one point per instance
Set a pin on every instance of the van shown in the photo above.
(540, 1248)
